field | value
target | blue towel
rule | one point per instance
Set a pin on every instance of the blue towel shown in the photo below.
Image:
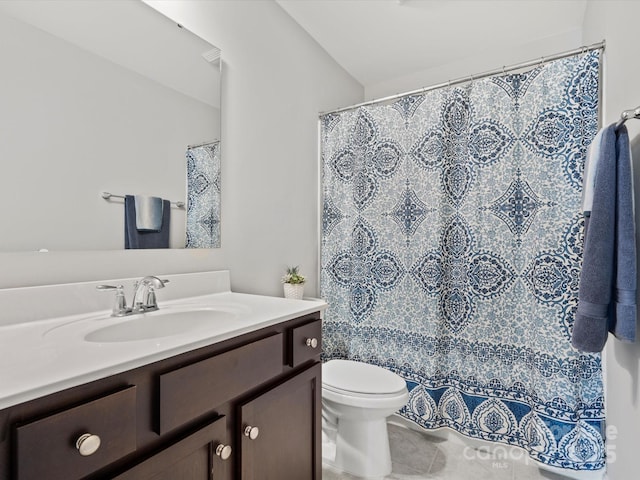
(134, 238)
(607, 291)
(623, 324)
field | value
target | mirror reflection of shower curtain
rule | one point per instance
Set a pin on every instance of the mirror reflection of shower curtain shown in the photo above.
(451, 247)
(203, 196)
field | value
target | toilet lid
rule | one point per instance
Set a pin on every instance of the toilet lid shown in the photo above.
(359, 377)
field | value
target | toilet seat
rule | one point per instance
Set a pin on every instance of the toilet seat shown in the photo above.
(360, 379)
(363, 385)
(373, 401)
(340, 391)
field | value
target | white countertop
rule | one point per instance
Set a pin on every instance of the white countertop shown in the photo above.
(48, 355)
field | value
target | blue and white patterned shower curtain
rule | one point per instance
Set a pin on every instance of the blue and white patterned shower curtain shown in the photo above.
(203, 196)
(451, 250)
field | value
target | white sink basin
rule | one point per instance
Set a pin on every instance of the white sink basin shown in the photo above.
(162, 323)
(167, 322)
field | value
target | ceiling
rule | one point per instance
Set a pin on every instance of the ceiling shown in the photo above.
(379, 40)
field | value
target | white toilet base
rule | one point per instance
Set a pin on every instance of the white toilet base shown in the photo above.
(357, 399)
(369, 459)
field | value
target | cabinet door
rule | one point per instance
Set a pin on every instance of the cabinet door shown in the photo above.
(288, 442)
(193, 457)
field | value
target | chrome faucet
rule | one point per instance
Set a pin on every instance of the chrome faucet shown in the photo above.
(144, 297)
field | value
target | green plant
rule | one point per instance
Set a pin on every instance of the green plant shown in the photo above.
(293, 276)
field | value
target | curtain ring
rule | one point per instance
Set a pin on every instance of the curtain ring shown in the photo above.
(541, 61)
(504, 72)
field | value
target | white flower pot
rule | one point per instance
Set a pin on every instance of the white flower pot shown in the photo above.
(294, 291)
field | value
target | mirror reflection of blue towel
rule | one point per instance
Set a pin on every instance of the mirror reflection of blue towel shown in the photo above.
(135, 238)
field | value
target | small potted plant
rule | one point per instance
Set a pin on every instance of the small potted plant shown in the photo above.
(293, 283)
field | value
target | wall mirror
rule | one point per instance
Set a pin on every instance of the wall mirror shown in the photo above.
(104, 97)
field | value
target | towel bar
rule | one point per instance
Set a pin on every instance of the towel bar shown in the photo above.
(107, 196)
(626, 115)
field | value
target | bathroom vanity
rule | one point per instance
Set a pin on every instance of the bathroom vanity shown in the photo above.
(237, 399)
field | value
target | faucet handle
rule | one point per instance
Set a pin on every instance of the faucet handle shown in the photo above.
(120, 305)
(151, 303)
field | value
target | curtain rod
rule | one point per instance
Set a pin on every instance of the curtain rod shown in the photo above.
(470, 78)
(202, 144)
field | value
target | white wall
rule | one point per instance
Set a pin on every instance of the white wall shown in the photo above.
(489, 60)
(616, 21)
(74, 124)
(275, 81)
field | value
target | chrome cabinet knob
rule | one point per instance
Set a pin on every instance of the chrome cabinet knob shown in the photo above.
(223, 451)
(251, 432)
(312, 342)
(88, 444)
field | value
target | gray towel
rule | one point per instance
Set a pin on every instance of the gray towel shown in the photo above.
(148, 213)
(134, 238)
(606, 298)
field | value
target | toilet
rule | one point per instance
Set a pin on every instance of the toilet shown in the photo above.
(357, 398)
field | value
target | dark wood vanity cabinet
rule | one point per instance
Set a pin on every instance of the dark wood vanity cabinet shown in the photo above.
(283, 415)
(247, 408)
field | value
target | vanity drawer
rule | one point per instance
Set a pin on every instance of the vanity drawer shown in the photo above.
(191, 391)
(46, 448)
(305, 342)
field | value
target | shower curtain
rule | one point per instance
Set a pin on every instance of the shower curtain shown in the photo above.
(451, 251)
(203, 196)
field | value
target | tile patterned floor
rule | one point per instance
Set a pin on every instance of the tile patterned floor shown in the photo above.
(419, 456)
